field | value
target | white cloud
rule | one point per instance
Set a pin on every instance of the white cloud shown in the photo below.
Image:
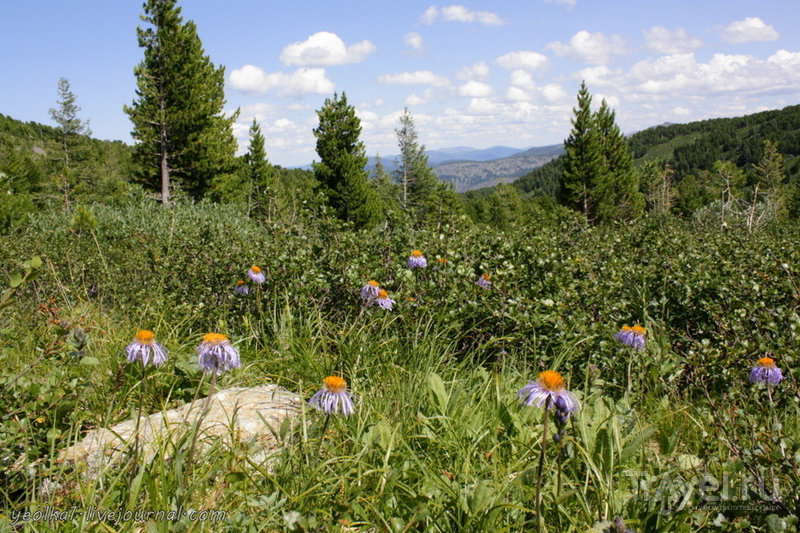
(588, 47)
(414, 40)
(723, 74)
(475, 89)
(254, 81)
(419, 77)
(555, 93)
(569, 3)
(660, 39)
(749, 30)
(522, 79)
(325, 49)
(459, 14)
(413, 99)
(522, 60)
(478, 71)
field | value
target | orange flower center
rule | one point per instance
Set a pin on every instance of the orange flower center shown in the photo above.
(240, 282)
(145, 336)
(552, 381)
(416, 253)
(373, 283)
(214, 338)
(639, 330)
(766, 362)
(255, 270)
(382, 294)
(442, 260)
(335, 384)
(487, 276)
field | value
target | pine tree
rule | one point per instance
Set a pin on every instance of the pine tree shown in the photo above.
(583, 163)
(615, 194)
(340, 171)
(419, 182)
(384, 186)
(263, 194)
(70, 126)
(178, 118)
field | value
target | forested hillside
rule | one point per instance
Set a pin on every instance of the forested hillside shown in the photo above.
(691, 150)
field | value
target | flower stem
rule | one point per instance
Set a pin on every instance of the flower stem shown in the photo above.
(539, 474)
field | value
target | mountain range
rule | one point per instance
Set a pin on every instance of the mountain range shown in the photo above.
(474, 168)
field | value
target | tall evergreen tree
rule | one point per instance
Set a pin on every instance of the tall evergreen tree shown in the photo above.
(177, 117)
(340, 171)
(420, 185)
(263, 194)
(583, 163)
(616, 192)
(70, 126)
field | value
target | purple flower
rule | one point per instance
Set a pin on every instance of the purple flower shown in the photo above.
(632, 336)
(766, 371)
(417, 260)
(550, 385)
(144, 348)
(333, 397)
(217, 354)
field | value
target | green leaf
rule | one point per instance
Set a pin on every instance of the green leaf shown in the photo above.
(90, 360)
(16, 281)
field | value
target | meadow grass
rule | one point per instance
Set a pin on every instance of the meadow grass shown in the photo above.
(672, 438)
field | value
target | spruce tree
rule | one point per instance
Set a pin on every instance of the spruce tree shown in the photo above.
(615, 194)
(583, 163)
(263, 195)
(419, 182)
(70, 126)
(177, 117)
(340, 171)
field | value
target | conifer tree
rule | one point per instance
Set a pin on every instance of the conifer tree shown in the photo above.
(177, 117)
(384, 186)
(583, 163)
(616, 192)
(70, 126)
(419, 183)
(263, 194)
(340, 172)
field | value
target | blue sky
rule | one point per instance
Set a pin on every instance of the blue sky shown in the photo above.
(475, 74)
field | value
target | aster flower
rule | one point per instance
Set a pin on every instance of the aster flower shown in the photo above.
(766, 371)
(144, 348)
(632, 336)
(333, 397)
(217, 354)
(383, 301)
(483, 281)
(242, 288)
(550, 385)
(417, 260)
(370, 290)
(255, 274)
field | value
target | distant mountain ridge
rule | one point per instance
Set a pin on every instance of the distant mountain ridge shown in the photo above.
(474, 168)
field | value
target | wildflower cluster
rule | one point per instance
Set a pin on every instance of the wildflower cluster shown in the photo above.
(632, 336)
(372, 294)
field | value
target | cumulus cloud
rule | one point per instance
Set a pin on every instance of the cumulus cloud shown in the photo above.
(419, 77)
(749, 30)
(413, 99)
(254, 81)
(325, 49)
(413, 40)
(475, 89)
(586, 47)
(526, 60)
(478, 71)
(459, 14)
(660, 39)
(723, 74)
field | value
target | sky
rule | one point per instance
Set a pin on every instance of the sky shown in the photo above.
(477, 74)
